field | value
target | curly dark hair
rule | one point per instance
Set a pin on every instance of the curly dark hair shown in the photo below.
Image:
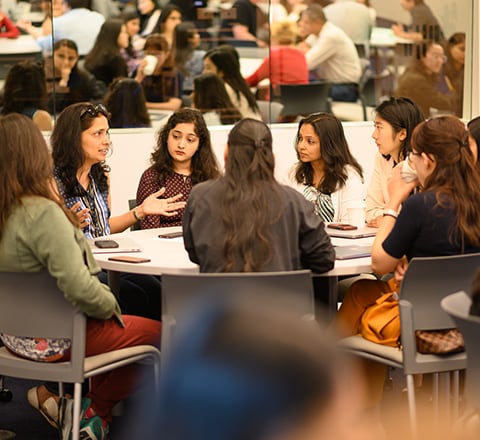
(67, 151)
(204, 163)
(334, 150)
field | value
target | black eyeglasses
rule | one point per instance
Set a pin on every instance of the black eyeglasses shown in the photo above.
(93, 110)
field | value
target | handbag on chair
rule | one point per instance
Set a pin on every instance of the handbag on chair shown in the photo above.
(380, 323)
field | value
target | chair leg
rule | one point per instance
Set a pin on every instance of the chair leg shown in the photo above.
(61, 390)
(412, 405)
(456, 394)
(77, 400)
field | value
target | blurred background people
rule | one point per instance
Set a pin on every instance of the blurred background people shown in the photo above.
(53, 8)
(330, 54)
(67, 82)
(163, 87)
(216, 107)
(424, 24)
(188, 58)
(126, 104)
(454, 68)
(105, 60)
(131, 54)
(224, 62)
(170, 16)
(149, 12)
(420, 81)
(25, 92)
(77, 23)
(285, 64)
(7, 28)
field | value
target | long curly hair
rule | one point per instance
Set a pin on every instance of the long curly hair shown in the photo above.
(67, 152)
(454, 178)
(204, 164)
(334, 151)
(251, 190)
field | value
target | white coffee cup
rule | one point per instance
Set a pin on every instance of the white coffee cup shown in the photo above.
(407, 172)
(152, 62)
(356, 214)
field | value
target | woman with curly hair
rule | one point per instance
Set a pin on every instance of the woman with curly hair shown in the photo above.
(80, 146)
(182, 158)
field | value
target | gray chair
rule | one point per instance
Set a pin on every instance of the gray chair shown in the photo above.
(304, 99)
(180, 293)
(427, 281)
(270, 110)
(132, 203)
(32, 304)
(457, 305)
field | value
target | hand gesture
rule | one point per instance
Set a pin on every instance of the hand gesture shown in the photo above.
(398, 189)
(83, 215)
(169, 207)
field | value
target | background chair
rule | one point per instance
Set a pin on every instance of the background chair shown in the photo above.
(303, 99)
(427, 281)
(457, 305)
(270, 110)
(32, 304)
(181, 292)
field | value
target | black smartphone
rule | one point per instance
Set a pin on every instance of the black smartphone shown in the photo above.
(106, 244)
(171, 234)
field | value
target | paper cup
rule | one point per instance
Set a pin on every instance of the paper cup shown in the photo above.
(356, 214)
(151, 64)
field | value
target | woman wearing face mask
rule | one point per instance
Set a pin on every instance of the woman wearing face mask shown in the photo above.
(421, 80)
(69, 83)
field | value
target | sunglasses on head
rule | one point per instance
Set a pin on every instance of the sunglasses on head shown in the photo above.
(93, 110)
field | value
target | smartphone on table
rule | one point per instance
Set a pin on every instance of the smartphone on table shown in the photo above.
(106, 244)
(129, 259)
(171, 234)
(342, 226)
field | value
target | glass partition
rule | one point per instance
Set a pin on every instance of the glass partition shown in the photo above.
(384, 56)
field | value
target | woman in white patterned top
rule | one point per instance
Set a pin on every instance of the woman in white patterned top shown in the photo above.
(327, 174)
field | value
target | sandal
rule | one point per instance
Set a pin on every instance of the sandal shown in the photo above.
(48, 409)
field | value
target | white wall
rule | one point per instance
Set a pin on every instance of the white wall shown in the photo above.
(132, 149)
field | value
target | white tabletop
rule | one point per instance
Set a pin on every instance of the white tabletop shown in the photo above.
(19, 45)
(168, 255)
(384, 37)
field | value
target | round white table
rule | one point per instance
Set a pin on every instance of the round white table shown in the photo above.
(168, 255)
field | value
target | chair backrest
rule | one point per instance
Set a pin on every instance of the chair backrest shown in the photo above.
(270, 110)
(180, 293)
(427, 281)
(457, 305)
(303, 99)
(33, 305)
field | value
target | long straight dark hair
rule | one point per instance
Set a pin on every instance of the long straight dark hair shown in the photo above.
(251, 189)
(334, 151)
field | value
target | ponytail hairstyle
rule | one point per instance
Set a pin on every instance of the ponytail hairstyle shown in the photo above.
(455, 179)
(251, 190)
